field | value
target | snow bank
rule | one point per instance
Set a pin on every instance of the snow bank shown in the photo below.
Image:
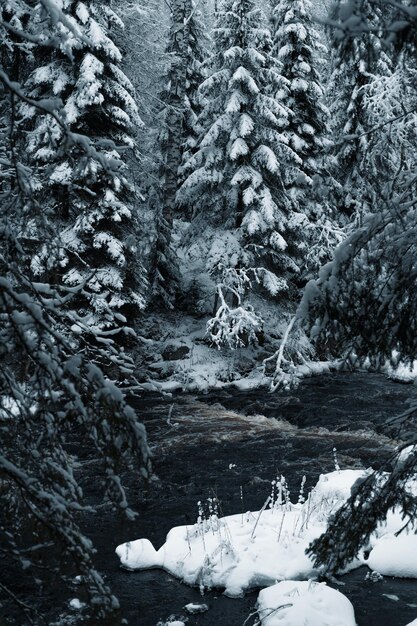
(249, 550)
(207, 376)
(395, 556)
(304, 604)
(256, 549)
(235, 553)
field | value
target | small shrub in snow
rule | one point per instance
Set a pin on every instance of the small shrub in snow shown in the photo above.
(293, 360)
(234, 327)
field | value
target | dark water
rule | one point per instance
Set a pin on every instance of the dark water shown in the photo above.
(217, 443)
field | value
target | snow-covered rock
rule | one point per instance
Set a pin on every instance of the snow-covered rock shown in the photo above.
(176, 350)
(76, 604)
(395, 556)
(192, 608)
(304, 604)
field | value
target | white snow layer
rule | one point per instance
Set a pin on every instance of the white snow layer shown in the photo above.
(292, 603)
(395, 556)
(249, 550)
(257, 549)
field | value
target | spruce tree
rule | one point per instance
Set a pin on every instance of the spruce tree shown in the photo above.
(240, 176)
(177, 138)
(50, 390)
(357, 62)
(185, 74)
(301, 53)
(198, 45)
(88, 206)
(298, 48)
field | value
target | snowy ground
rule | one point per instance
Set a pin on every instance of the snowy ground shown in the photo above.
(181, 359)
(259, 548)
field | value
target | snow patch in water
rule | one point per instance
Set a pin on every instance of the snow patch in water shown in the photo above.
(256, 549)
(249, 550)
(292, 603)
(395, 556)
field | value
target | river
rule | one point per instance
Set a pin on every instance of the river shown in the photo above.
(222, 441)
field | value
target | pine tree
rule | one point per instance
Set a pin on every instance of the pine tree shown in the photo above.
(172, 137)
(184, 78)
(88, 206)
(177, 138)
(301, 53)
(357, 61)
(298, 47)
(49, 388)
(240, 176)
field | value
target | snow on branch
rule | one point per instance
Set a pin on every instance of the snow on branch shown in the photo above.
(234, 327)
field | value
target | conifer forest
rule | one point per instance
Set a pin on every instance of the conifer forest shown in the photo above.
(208, 312)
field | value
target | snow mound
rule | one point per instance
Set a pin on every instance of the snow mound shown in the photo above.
(256, 549)
(245, 551)
(395, 556)
(139, 554)
(304, 604)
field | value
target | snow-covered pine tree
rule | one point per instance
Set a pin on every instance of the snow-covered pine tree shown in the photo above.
(240, 176)
(357, 62)
(49, 389)
(363, 305)
(184, 78)
(391, 104)
(299, 48)
(174, 97)
(177, 138)
(89, 207)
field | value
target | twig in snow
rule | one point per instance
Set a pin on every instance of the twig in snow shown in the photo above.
(267, 501)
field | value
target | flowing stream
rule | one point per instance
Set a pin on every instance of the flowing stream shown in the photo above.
(224, 441)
